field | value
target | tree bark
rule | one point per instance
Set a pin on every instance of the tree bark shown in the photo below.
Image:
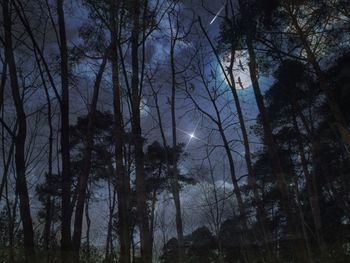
(3, 83)
(109, 238)
(48, 216)
(66, 245)
(123, 180)
(175, 187)
(20, 139)
(142, 214)
(311, 186)
(165, 145)
(88, 224)
(84, 177)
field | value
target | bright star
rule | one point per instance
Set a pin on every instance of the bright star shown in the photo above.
(191, 135)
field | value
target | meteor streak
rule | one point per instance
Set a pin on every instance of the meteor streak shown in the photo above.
(217, 14)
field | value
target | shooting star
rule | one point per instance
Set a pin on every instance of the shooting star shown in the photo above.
(217, 14)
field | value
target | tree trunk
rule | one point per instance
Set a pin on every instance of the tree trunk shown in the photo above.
(48, 216)
(7, 162)
(11, 211)
(142, 214)
(165, 146)
(48, 201)
(311, 186)
(123, 180)
(3, 83)
(88, 223)
(152, 217)
(84, 177)
(112, 199)
(175, 187)
(20, 139)
(65, 153)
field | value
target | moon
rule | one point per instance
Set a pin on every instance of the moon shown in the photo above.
(240, 69)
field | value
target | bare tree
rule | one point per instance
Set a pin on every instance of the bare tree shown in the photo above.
(213, 97)
(135, 100)
(230, 79)
(174, 37)
(20, 138)
(65, 152)
(123, 179)
(84, 176)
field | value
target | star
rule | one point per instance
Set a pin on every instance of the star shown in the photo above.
(191, 135)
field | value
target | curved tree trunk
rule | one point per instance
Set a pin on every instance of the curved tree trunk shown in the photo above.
(84, 176)
(20, 139)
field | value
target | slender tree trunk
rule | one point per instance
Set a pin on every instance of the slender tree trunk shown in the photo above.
(142, 214)
(109, 226)
(7, 162)
(88, 224)
(243, 217)
(3, 83)
(65, 152)
(20, 139)
(175, 187)
(84, 177)
(152, 217)
(311, 186)
(48, 201)
(123, 180)
(164, 141)
(112, 199)
(11, 224)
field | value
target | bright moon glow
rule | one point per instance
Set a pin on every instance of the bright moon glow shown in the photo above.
(240, 69)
